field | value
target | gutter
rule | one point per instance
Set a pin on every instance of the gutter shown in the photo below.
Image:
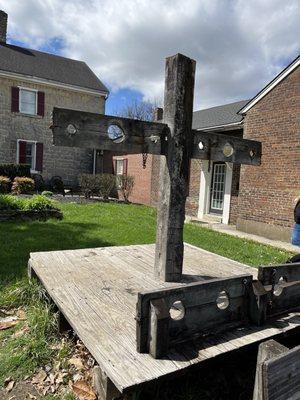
(225, 127)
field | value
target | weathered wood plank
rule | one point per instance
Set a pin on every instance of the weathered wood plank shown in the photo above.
(96, 289)
(281, 376)
(282, 283)
(104, 387)
(174, 172)
(212, 147)
(92, 132)
(266, 351)
(206, 307)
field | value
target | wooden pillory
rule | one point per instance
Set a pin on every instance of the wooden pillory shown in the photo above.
(174, 139)
(98, 289)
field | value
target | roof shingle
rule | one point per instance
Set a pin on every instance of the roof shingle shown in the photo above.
(218, 116)
(37, 64)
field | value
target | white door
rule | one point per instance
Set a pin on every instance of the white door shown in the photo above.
(217, 188)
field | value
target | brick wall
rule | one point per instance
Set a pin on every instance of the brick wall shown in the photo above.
(63, 161)
(192, 201)
(267, 192)
(234, 194)
(142, 177)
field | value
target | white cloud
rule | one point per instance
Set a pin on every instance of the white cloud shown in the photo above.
(239, 45)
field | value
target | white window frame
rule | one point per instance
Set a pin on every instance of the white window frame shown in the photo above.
(21, 89)
(33, 171)
(118, 184)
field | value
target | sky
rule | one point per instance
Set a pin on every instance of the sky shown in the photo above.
(239, 45)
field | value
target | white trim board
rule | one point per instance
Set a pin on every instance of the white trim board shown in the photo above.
(283, 74)
(46, 82)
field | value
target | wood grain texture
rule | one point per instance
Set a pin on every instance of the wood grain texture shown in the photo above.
(202, 316)
(281, 376)
(213, 144)
(174, 168)
(289, 299)
(266, 351)
(92, 132)
(96, 289)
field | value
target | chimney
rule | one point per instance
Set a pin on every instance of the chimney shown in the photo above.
(3, 26)
(158, 114)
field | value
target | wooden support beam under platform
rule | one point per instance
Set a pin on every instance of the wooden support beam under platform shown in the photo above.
(96, 290)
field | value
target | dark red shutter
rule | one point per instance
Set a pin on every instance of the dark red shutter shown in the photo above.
(39, 157)
(125, 166)
(22, 152)
(15, 99)
(41, 104)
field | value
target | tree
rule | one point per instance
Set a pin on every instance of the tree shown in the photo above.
(140, 110)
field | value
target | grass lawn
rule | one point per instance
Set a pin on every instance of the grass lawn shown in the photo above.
(85, 225)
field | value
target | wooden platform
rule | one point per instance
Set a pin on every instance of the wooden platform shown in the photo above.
(96, 290)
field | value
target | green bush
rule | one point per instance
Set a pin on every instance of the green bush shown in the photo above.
(35, 203)
(13, 170)
(5, 184)
(47, 193)
(39, 203)
(22, 185)
(9, 202)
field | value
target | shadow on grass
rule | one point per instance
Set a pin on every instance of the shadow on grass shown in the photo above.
(18, 240)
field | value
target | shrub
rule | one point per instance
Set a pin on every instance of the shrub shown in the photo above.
(87, 183)
(47, 193)
(35, 203)
(39, 203)
(5, 183)
(100, 184)
(57, 185)
(126, 184)
(13, 170)
(22, 185)
(9, 202)
(107, 182)
(39, 182)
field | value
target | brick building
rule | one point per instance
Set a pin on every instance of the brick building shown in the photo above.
(258, 199)
(31, 84)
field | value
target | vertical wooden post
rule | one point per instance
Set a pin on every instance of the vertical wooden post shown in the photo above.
(178, 112)
(159, 328)
(266, 351)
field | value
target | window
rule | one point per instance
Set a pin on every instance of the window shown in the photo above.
(27, 101)
(31, 153)
(120, 169)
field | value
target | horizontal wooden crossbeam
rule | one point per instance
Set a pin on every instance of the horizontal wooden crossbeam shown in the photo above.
(213, 146)
(88, 130)
(199, 308)
(242, 299)
(282, 285)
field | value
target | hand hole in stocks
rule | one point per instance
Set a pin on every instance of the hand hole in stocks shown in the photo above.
(222, 300)
(115, 133)
(278, 288)
(177, 311)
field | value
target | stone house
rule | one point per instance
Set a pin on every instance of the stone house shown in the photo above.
(31, 84)
(259, 199)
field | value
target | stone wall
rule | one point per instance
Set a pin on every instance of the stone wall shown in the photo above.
(267, 192)
(62, 161)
